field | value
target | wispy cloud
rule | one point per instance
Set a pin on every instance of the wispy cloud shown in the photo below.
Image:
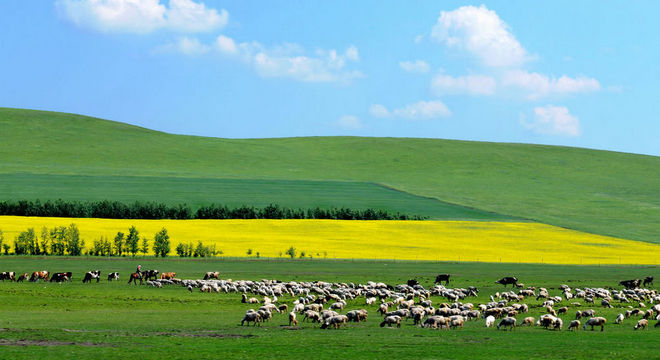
(292, 61)
(552, 120)
(416, 67)
(470, 84)
(421, 110)
(349, 122)
(142, 16)
(535, 85)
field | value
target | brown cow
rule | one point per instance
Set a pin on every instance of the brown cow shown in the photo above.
(212, 275)
(23, 277)
(40, 275)
(168, 275)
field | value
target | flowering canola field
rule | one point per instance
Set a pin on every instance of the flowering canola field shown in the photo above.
(523, 242)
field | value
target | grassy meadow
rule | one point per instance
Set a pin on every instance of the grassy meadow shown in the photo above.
(600, 192)
(485, 241)
(116, 320)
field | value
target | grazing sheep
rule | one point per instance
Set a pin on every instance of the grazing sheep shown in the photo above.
(559, 323)
(619, 319)
(370, 300)
(574, 325)
(551, 310)
(595, 321)
(190, 288)
(382, 309)
(546, 321)
(527, 321)
(562, 310)
(392, 319)
(283, 308)
(335, 322)
(490, 320)
(434, 321)
(292, 319)
(605, 303)
(642, 324)
(507, 321)
(251, 316)
(456, 321)
(312, 315)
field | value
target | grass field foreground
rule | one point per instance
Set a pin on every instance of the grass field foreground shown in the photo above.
(119, 321)
(515, 242)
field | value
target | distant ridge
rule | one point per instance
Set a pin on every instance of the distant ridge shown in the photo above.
(602, 192)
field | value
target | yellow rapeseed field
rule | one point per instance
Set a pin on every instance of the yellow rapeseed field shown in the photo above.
(523, 242)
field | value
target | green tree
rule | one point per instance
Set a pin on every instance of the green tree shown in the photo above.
(74, 245)
(45, 239)
(162, 243)
(24, 243)
(144, 249)
(132, 241)
(180, 250)
(291, 252)
(6, 248)
(58, 240)
(119, 243)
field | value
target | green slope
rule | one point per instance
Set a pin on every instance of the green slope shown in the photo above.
(233, 192)
(601, 192)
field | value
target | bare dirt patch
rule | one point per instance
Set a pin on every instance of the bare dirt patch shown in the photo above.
(26, 342)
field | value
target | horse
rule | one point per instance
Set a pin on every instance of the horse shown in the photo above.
(134, 278)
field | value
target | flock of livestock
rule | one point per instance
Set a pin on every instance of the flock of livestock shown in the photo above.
(323, 302)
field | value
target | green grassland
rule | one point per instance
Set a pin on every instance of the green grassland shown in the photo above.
(600, 192)
(116, 320)
(233, 192)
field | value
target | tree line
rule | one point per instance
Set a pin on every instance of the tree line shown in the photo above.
(66, 240)
(106, 209)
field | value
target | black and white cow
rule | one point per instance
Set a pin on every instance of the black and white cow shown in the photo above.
(113, 276)
(91, 275)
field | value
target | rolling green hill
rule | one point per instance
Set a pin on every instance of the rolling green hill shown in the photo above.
(600, 192)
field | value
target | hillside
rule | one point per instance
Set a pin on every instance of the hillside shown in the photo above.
(600, 192)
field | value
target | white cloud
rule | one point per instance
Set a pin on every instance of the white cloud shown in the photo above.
(142, 16)
(226, 45)
(349, 122)
(482, 33)
(553, 120)
(537, 85)
(379, 111)
(185, 45)
(470, 84)
(422, 110)
(290, 61)
(418, 67)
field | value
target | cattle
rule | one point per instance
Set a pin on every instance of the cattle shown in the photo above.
(92, 275)
(150, 274)
(648, 280)
(212, 275)
(7, 275)
(412, 282)
(630, 284)
(507, 280)
(40, 275)
(442, 277)
(168, 275)
(61, 277)
(113, 276)
(23, 277)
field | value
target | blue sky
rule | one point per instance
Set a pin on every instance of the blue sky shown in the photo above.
(556, 72)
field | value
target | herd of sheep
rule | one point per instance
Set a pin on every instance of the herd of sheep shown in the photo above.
(323, 303)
